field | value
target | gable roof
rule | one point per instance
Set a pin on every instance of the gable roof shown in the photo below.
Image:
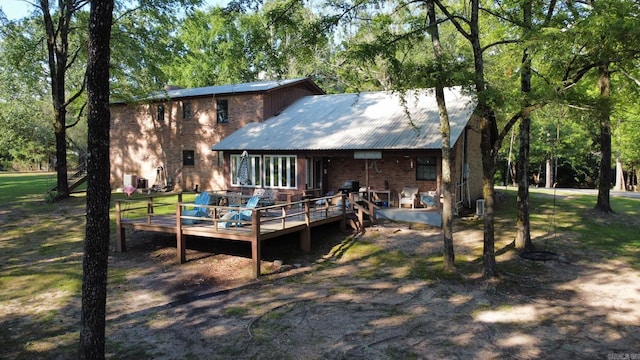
(219, 90)
(364, 121)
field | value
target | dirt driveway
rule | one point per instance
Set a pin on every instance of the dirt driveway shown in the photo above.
(378, 295)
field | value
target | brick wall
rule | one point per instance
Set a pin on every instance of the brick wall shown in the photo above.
(140, 143)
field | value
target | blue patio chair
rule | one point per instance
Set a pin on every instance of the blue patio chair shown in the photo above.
(240, 215)
(198, 211)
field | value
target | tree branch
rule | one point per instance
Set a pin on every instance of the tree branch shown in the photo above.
(78, 117)
(454, 20)
(501, 42)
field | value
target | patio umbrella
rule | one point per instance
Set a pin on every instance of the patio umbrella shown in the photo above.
(243, 170)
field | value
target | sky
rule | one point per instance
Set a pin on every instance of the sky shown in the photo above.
(17, 9)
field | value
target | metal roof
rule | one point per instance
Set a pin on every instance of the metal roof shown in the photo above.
(363, 121)
(251, 87)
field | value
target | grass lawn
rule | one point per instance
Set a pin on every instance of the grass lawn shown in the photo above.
(25, 186)
(41, 247)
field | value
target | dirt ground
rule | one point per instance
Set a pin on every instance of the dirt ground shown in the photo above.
(369, 296)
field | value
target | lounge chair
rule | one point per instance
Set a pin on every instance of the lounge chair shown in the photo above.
(198, 211)
(267, 196)
(408, 196)
(236, 216)
(429, 199)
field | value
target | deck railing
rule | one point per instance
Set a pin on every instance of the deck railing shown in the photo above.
(161, 205)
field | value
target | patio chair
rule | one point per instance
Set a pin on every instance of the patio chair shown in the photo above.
(323, 201)
(198, 211)
(408, 196)
(267, 196)
(235, 216)
(429, 199)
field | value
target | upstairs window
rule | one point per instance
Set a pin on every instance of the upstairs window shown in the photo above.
(222, 107)
(426, 169)
(188, 158)
(186, 110)
(161, 112)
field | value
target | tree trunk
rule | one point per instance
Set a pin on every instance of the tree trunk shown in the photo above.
(523, 227)
(548, 174)
(489, 135)
(604, 115)
(445, 132)
(96, 249)
(620, 182)
(488, 129)
(523, 231)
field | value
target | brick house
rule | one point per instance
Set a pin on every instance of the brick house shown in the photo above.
(299, 139)
(381, 140)
(166, 139)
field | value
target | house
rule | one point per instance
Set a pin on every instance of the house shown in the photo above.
(380, 140)
(300, 140)
(166, 138)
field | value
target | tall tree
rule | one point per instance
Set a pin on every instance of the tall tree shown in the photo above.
(96, 248)
(445, 131)
(61, 57)
(469, 27)
(523, 228)
(603, 203)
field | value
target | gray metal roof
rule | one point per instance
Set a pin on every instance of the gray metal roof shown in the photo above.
(258, 86)
(364, 121)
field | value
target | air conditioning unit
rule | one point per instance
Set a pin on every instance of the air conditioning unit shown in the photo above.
(480, 207)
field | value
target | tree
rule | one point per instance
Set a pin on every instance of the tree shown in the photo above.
(96, 248)
(445, 131)
(26, 113)
(278, 40)
(60, 57)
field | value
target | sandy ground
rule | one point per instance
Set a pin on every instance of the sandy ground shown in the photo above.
(369, 296)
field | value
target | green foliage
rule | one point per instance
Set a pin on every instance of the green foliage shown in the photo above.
(221, 46)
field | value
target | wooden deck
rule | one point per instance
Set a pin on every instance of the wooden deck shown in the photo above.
(163, 213)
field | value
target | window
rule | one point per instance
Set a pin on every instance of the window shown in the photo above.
(426, 169)
(222, 107)
(161, 112)
(255, 170)
(280, 171)
(274, 171)
(186, 110)
(188, 158)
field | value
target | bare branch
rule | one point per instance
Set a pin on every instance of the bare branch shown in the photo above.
(78, 116)
(454, 20)
(501, 42)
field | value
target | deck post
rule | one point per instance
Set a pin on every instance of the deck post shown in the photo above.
(305, 235)
(343, 222)
(180, 239)
(255, 242)
(149, 209)
(121, 244)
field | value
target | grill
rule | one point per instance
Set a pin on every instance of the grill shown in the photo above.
(349, 186)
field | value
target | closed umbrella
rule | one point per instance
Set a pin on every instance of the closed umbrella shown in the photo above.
(243, 170)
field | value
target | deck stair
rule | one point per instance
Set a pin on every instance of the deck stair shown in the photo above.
(76, 177)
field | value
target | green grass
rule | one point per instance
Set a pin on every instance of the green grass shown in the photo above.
(574, 216)
(24, 186)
